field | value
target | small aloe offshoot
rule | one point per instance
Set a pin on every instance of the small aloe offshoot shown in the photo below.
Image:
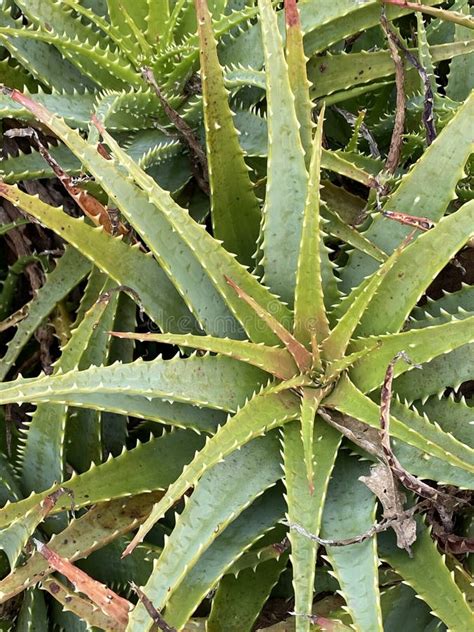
(292, 345)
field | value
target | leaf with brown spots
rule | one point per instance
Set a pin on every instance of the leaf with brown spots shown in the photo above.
(111, 604)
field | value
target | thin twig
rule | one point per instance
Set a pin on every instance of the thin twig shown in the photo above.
(442, 14)
(428, 100)
(152, 611)
(198, 155)
(378, 527)
(396, 141)
(408, 480)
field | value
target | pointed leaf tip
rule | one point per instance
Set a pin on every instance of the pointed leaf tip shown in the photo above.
(301, 355)
(292, 15)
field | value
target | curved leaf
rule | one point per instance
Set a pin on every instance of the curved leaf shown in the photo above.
(420, 192)
(420, 433)
(427, 573)
(421, 345)
(450, 369)
(125, 264)
(274, 360)
(305, 506)
(202, 520)
(417, 265)
(235, 209)
(201, 380)
(148, 467)
(262, 413)
(350, 511)
(310, 314)
(287, 177)
(244, 531)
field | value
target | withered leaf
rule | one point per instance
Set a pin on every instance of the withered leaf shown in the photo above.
(384, 485)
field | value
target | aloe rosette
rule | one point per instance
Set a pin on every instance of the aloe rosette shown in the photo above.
(292, 356)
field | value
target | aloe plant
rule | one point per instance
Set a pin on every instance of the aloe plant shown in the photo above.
(73, 53)
(274, 422)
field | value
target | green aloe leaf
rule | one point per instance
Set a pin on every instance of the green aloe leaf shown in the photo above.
(14, 537)
(337, 227)
(168, 229)
(235, 209)
(401, 608)
(144, 407)
(96, 57)
(148, 467)
(300, 85)
(262, 413)
(422, 345)
(5, 228)
(9, 487)
(453, 416)
(343, 71)
(42, 457)
(286, 175)
(208, 381)
(33, 613)
(129, 19)
(427, 573)
(416, 267)
(239, 600)
(335, 345)
(255, 142)
(349, 511)
(128, 266)
(310, 313)
(220, 557)
(201, 246)
(461, 76)
(84, 428)
(425, 56)
(127, 44)
(417, 461)
(198, 525)
(10, 286)
(44, 62)
(309, 407)
(451, 303)
(115, 425)
(274, 360)
(305, 502)
(156, 20)
(419, 192)
(449, 369)
(420, 433)
(327, 25)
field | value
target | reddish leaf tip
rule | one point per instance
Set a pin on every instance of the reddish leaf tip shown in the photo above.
(97, 123)
(129, 549)
(292, 15)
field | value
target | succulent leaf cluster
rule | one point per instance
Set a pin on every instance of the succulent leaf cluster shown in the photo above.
(223, 176)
